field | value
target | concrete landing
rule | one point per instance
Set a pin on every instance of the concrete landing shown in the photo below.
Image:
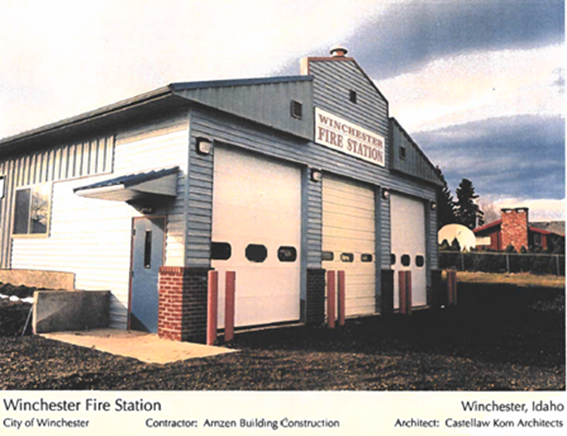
(146, 347)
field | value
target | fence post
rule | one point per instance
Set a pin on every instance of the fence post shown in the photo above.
(454, 280)
(229, 306)
(462, 261)
(342, 296)
(212, 307)
(507, 263)
(557, 262)
(331, 297)
(449, 288)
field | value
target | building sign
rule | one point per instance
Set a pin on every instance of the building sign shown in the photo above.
(338, 134)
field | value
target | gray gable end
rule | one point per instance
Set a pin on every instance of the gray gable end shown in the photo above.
(265, 101)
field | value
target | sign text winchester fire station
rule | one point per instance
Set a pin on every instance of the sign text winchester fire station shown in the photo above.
(339, 134)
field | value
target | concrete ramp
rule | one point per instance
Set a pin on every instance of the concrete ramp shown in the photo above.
(146, 347)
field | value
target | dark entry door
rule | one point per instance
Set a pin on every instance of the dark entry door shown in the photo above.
(147, 258)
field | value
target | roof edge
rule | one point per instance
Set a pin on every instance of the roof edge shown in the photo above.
(182, 86)
(66, 122)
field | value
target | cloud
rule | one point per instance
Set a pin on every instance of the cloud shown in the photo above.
(520, 157)
(60, 58)
(539, 210)
(473, 87)
(412, 34)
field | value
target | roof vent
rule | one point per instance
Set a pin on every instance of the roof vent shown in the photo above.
(338, 51)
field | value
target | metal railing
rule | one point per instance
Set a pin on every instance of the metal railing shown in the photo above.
(486, 261)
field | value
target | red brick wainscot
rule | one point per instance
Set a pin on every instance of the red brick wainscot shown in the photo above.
(182, 310)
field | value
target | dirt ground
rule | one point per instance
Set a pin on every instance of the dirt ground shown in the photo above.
(501, 337)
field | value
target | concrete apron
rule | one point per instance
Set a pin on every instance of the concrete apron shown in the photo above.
(143, 346)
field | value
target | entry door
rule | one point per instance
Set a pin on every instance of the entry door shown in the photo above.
(147, 258)
(408, 246)
(257, 233)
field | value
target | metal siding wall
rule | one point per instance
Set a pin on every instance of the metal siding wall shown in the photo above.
(92, 238)
(415, 163)
(268, 104)
(386, 233)
(46, 166)
(200, 203)
(314, 224)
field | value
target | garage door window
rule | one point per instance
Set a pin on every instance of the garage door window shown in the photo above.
(419, 261)
(347, 257)
(287, 254)
(392, 259)
(406, 260)
(365, 257)
(221, 251)
(327, 255)
(31, 216)
(256, 253)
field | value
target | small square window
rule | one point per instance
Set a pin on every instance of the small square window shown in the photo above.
(402, 152)
(352, 96)
(296, 109)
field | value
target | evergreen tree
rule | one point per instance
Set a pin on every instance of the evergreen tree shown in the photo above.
(468, 212)
(446, 204)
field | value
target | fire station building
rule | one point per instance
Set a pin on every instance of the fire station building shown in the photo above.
(278, 179)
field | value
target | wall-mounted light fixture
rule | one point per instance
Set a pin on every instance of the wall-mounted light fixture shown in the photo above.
(204, 146)
(385, 194)
(433, 205)
(316, 175)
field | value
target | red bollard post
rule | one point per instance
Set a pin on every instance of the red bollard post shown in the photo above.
(408, 292)
(331, 299)
(342, 296)
(229, 306)
(212, 307)
(402, 291)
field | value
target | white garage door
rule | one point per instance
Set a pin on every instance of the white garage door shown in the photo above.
(349, 238)
(408, 245)
(257, 225)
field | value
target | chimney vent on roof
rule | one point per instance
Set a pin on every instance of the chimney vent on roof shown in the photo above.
(338, 51)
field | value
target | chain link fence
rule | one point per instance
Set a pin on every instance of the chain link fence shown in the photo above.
(483, 261)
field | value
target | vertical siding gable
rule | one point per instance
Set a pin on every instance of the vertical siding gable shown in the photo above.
(332, 81)
(265, 103)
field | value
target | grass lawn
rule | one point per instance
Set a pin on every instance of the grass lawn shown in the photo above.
(520, 279)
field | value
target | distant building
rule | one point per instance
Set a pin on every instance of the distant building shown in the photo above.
(515, 229)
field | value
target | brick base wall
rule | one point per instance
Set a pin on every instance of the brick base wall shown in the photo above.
(315, 301)
(182, 312)
(387, 288)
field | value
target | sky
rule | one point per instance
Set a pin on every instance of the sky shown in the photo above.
(479, 84)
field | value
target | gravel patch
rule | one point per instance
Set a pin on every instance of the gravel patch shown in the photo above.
(501, 337)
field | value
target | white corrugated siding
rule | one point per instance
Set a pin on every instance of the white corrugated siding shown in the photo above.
(92, 238)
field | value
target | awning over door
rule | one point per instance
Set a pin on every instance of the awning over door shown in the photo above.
(134, 187)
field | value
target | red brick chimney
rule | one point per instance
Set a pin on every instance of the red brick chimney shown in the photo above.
(515, 228)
